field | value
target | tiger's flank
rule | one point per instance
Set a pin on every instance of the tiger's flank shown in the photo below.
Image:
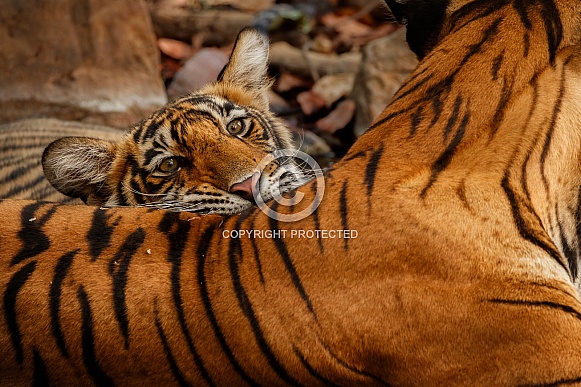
(465, 194)
(21, 146)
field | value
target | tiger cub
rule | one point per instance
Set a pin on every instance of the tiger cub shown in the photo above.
(198, 153)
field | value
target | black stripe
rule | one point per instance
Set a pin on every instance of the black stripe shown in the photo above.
(533, 106)
(344, 212)
(19, 170)
(28, 186)
(62, 267)
(461, 193)
(316, 220)
(312, 371)
(39, 375)
(406, 89)
(496, 65)
(521, 7)
(439, 93)
(416, 120)
(522, 227)
(152, 126)
(235, 254)
(255, 250)
(136, 190)
(382, 121)
(121, 198)
(557, 383)
(150, 154)
(435, 93)
(540, 304)
(10, 296)
(170, 359)
(453, 118)
(99, 235)
(90, 361)
(18, 160)
(371, 171)
(284, 254)
(505, 97)
(578, 229)
(34, 240)
(188, 100)
(446, 157)
(476, 48)
(149, 126)
(202, 250)
(267, 126)
(550, 132)
(479, 10)
(570, 253)
(351, 368)
(177, 232)
(553, 26)
(438, 107)
(118, 268)
(526, 45)
(355, 156)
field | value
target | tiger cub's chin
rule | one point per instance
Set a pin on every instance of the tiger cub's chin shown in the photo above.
(194, 154)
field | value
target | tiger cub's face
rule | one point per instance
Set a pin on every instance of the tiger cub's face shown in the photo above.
(198, 153)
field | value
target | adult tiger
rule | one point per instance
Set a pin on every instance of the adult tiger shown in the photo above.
(465, 199)
(21, 146)
(196, 153)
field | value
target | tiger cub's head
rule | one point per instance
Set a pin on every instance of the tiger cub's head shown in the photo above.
(197, 153)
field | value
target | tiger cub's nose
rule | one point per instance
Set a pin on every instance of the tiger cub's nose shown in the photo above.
(243, 189)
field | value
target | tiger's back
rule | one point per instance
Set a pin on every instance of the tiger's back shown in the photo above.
(465, 199)
(22, 144)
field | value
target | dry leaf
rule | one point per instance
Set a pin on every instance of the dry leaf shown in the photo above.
(310, 102)
(338, 118)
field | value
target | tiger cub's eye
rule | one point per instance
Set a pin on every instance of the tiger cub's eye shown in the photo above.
(169, 165)
(235, 127)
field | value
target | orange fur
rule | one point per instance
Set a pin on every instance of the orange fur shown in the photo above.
(466, 208)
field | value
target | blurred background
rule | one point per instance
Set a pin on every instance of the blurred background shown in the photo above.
(336, 63)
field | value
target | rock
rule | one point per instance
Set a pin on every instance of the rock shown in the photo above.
(89, 60)
(386, 64)
(201, 69)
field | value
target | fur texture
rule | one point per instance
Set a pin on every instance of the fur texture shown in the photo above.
(213, 140)
(465, 196)
(21, 146)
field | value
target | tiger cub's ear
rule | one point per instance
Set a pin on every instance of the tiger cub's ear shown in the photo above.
(248, 66)
(78, 167)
